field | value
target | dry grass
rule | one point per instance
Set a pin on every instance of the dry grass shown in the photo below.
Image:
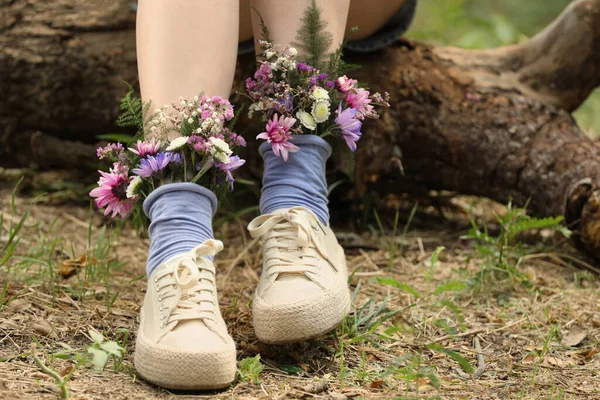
(523, 343)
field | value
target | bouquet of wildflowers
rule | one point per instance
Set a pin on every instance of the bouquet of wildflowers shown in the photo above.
(296, 98)
(203, 153)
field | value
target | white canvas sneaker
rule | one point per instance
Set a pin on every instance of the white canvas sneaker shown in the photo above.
(182, 341)
(303, 288)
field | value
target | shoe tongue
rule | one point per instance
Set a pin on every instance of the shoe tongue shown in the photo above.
(290, 276)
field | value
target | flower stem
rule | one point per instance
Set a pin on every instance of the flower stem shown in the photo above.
(184, 166)
(203, 170)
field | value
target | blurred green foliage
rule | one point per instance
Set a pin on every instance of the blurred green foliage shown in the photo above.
(492, 23)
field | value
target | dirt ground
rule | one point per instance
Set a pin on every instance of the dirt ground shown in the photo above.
(523, 343)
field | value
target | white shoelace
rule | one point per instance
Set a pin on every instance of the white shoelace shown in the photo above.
(294, 233)
(192, 286)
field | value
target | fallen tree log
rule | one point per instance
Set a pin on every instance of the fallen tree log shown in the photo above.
(491, 123)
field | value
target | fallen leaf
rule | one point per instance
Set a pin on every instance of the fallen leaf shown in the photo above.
(315, 387)
(371, 357)
(556, 361)
(591, 353)
(574, 337)
(596, 319)
(17, 305)
(376, 384)
(68, 268)
(42, 328)
(337, 396)
(66, 370)
(8, 324)
(529, 359)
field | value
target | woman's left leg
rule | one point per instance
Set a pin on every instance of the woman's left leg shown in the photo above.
(303, 291)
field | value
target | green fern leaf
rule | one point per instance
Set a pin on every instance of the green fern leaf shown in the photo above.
(312, 38)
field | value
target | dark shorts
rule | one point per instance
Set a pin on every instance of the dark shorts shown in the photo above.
(387, 35)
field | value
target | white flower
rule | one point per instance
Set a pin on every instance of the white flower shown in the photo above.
(292, 51)
(133, 187)
(269, 54)
(320, 111)
(196, 98)
(320, 94)
(219, 150)
(178, 143)
(307, 120)
(190, 120)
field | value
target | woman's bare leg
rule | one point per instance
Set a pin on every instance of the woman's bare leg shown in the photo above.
(369, 19)
(185, 47)
(283, 18)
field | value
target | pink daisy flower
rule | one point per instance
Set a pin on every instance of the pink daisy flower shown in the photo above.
(144, 149)
(359, 99)
(278, 134)
(345, 84)
(112, 194)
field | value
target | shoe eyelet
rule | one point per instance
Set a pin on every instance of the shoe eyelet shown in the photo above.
(162, 325)
(161, 308)
(156, 280)
(157, 289)
(317, 228)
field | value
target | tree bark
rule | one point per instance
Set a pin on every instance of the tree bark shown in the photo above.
(491, 123)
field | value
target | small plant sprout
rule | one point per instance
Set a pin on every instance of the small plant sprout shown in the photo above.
(250, 369)
(101, 351)
(501, 254)
(61, 381)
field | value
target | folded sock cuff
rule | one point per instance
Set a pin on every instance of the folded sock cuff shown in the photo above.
(183, 187)
(300, 140)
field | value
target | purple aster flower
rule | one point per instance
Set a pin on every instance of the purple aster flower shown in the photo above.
(287, 102)
(300, 66)
(176, 158)
(152, 164)
(237, 140)
(349, 125)
(234, 163)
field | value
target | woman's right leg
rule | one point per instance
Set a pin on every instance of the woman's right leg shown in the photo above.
(369, 19)
(184, 47)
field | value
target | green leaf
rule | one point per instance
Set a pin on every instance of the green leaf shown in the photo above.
(112, 348)
(436, 255)
(452, 286)
(292, 370)
(100, 358)
(96, 337)
(402, 286)
(464, 364)
(460, 317)
(250, 368)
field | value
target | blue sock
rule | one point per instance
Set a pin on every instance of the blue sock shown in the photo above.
(299, 181)
(180, 219)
